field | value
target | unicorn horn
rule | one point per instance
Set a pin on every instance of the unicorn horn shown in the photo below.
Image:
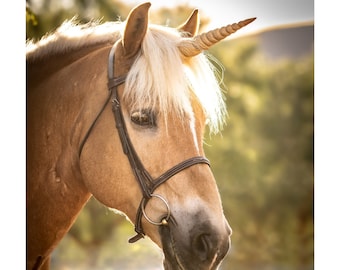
(192, 47)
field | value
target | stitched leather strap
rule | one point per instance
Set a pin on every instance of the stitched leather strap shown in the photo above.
(144, 179)
(157, 182)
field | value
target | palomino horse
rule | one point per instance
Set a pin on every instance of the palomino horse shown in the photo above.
(118, 111)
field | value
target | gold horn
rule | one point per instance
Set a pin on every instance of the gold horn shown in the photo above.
(193, 46)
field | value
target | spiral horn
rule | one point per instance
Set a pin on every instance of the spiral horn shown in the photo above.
(199, 43)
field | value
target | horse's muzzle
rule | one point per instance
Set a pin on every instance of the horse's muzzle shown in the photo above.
(201, 246)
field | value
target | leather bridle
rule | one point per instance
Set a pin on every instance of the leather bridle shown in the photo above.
(146, 182)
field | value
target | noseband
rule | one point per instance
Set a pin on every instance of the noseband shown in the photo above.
(146, 182)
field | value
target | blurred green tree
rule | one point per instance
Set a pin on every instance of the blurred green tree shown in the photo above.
(263, 160)
(44, 17)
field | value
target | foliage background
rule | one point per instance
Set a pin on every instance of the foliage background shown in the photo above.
(263, 160)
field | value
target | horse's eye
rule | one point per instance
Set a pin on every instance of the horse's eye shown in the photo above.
(145, 118)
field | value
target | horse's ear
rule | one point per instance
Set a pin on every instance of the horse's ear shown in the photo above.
(191, 25)
(135, 29)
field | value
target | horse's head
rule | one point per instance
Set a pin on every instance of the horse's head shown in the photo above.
(163, 93)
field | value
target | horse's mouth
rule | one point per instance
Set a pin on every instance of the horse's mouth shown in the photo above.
(180, 256)
(172, 259)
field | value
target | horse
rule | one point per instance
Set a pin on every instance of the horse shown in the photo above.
(118, 111)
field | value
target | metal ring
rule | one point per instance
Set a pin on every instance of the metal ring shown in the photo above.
(164, 220)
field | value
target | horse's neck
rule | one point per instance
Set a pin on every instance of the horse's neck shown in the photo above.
(63, 93)
(60, 104)
(41, 68)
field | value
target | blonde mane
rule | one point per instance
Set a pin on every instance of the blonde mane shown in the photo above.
(159, 78)
(71, 36)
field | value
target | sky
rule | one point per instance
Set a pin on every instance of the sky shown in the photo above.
(269, 13)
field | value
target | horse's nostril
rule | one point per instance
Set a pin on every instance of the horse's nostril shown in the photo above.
(206, 245)
(202, 246)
